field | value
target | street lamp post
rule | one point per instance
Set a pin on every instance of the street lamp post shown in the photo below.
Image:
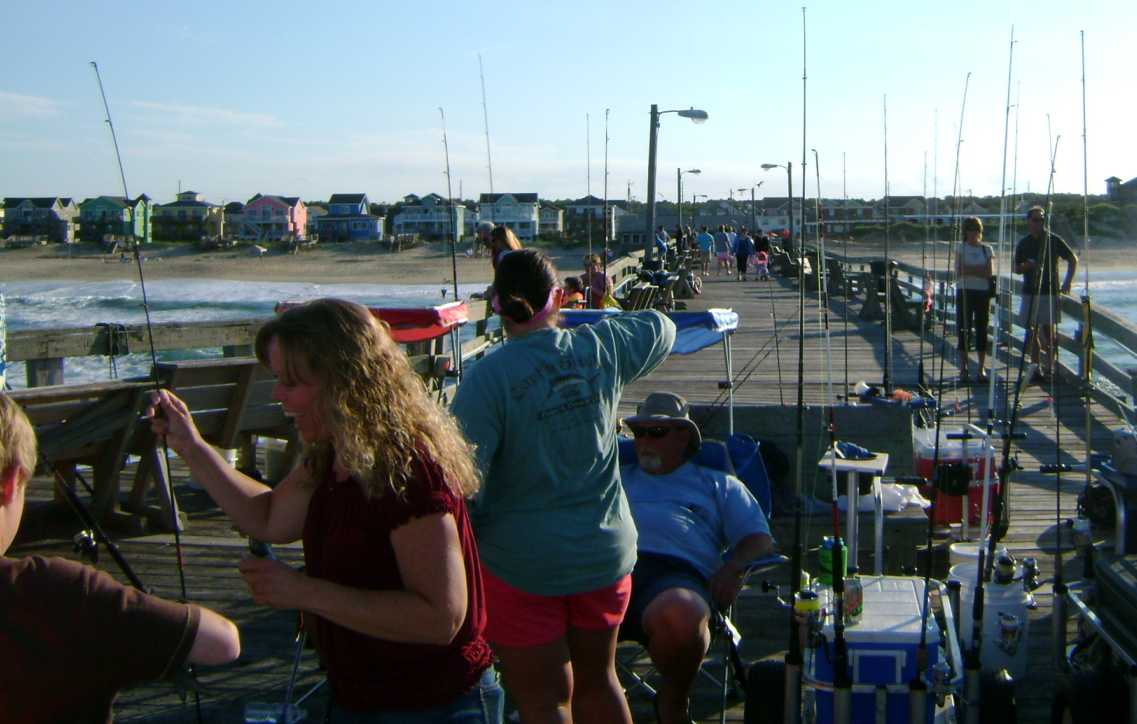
(679, 191)
(789, 167)
(753, 217)
(696, 116)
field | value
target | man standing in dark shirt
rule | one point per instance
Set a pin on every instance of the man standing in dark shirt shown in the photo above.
(1036, 258)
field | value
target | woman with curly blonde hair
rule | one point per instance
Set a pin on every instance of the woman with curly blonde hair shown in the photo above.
(392, 571)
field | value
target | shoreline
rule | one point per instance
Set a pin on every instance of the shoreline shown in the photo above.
(367, 263)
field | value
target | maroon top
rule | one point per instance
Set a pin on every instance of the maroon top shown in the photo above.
(347, 540)
(71, 637)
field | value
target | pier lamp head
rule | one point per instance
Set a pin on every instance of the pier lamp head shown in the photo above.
(696, 116)
(768, 166)
(694, 171)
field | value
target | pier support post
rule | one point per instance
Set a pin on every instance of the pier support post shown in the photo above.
(44, 372)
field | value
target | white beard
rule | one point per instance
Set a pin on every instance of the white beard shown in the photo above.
(650, 460)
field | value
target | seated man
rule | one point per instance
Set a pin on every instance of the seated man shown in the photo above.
(688, 516)
(70, 636)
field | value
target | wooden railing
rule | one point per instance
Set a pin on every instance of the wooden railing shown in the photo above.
(1104, 323)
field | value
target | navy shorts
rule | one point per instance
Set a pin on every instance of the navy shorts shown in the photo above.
(655, 573)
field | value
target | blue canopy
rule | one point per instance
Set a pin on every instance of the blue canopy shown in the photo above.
(696, 330)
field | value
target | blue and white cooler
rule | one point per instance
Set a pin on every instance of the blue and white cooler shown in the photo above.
(882, 651)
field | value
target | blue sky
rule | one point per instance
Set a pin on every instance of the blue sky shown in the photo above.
(309, 99)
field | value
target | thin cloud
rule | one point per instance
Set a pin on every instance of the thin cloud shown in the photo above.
(13, 105)
(202, 116)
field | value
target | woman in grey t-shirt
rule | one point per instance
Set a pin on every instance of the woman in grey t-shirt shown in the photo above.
(974, 267)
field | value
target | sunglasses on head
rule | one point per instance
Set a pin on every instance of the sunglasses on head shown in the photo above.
(654, 433)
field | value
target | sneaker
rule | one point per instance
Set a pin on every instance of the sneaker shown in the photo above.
(964, 378)
(981, 378)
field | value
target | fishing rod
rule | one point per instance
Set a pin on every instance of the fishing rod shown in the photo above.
(842, 682)
(957, 202)
(588, 182)
(927, 275)
(607, 232)
(486, 123)
(455, 336)
(845, 250)
(175, 513)
(795, 658)
(887, 381)
(1087, 330)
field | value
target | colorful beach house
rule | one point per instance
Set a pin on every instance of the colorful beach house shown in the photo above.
(189, 216)
(116, 216)
(274, 217)
(430, 217)
(519, 212)
(52, 217)
(349, 218)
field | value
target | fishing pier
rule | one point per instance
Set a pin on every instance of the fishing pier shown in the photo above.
(862, 344)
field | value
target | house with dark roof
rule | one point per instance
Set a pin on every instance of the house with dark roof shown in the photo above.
(116, 215)
(189, 216)
(273, 218)
(589, 211)
(52, 217)
(519, 212)
(349, 218)
(1121, 193)
(552, 219)
(432, 217)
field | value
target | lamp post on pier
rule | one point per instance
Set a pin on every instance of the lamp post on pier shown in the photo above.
(679, 192)
(696, 116)
(753, 217)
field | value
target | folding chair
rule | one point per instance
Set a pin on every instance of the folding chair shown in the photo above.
(725, 638)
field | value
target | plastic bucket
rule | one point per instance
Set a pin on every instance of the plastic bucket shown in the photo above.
(1006, 620)
(968, 552)
(274, 459)
(230, 457)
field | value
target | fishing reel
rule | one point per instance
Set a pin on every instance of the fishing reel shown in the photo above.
(84, 544)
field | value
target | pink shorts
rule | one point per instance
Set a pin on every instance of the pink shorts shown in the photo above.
(515, 618)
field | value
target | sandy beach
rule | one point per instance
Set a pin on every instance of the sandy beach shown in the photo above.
(359, 263)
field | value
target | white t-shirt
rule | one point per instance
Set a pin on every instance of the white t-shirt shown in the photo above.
(974, 256)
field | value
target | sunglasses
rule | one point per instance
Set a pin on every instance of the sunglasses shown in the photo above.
(654, 433)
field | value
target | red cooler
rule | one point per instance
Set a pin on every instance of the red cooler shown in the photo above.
(949, 508)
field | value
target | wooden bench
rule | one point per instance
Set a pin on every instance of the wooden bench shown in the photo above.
(230, 400)
(95, 424)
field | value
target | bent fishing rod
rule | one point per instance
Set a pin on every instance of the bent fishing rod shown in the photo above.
(168, 480)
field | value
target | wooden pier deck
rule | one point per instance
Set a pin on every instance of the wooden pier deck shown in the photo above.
(765, 373)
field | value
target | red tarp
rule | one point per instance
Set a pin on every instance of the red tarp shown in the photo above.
(415, 325)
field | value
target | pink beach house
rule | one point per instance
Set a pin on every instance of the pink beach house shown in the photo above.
(272, 217)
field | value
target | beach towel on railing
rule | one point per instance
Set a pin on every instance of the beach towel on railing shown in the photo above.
(695, 330)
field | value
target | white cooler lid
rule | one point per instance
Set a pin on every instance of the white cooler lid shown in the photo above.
(893, 610)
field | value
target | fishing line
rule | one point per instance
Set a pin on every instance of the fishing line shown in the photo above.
(169, 482)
